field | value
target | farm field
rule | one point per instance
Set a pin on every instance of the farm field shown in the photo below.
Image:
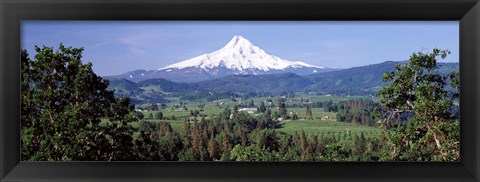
(316, 126)
(322, 128)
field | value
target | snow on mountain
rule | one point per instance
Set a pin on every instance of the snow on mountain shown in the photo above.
(237, 57)
(239, 54)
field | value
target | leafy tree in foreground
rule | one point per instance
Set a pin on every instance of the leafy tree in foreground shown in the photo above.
(416, 89)
(62, 104)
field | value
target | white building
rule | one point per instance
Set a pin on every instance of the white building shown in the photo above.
(249, 110)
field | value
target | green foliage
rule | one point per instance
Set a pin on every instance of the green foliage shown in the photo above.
(62, 102)
(152, 107)
(308, 112)
(252, 153)
(251, 104)
(359, 111)
(414, 88)
(294, 116)
(281, 108)
(139, 115)
(159, 115)
(262, 107)
(213, 149)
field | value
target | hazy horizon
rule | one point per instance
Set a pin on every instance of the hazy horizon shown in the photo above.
(117, 47)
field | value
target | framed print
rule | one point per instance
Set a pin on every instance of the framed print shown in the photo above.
(239, 90)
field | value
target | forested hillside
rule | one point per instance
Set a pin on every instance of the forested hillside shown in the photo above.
(364, 81)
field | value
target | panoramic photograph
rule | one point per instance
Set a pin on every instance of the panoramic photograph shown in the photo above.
(225, 91)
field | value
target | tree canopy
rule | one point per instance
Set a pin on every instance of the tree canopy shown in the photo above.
(415, 89)
(63, 103)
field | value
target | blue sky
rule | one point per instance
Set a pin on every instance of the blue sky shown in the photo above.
(115, 47)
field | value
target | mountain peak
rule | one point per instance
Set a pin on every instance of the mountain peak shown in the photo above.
(241, 57)
(238, 40)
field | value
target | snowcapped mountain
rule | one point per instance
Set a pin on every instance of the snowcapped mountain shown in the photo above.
(237, 57)
(240, 55)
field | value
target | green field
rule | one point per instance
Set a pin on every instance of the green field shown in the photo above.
(328, 128)
(317, 112)
(320, 128)
(331, 127)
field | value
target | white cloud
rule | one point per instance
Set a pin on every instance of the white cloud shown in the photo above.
(137, 39)
(137, 51)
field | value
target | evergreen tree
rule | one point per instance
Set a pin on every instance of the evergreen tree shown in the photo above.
(159, 115)
(311, 149)
(308, 112)
(235, 112)
(262, 107)
(139, 115)
(187, 153)
(213, 148)
(282, 109)
(197, 140)
(226, 145)
(251, 104)
(294, 117)
(303, 144)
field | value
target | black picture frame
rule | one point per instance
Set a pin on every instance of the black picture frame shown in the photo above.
(12, 12)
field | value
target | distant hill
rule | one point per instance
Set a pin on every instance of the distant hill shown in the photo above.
(124, 87)
(273, 83)
(357, 80)
(363, 80)
(168, 86)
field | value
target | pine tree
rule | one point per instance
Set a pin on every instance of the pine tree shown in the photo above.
(294, 117)
(308, 112)
(243, 136)
(282, 109)
(197, 139)
(262, 107)
(312, 147)
(251, 104)
(159, 115)
(226, 145)
(213, 148)
(235, 112)
(303, 144)
(187, 139)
